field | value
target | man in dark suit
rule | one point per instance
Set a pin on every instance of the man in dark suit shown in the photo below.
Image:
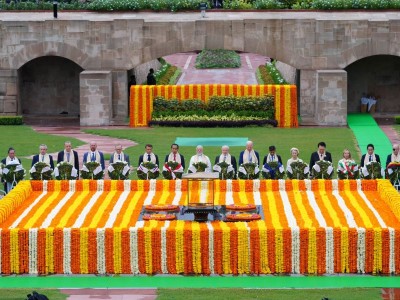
(118, 155)
(175, 156)
(68, 155)
(395, 156)
(94, 155)
(11, 159)
(43, 157)
(149, 155)
(272, 156)
(226, 157)
(320, 154)
(370, 156)
(249, 155)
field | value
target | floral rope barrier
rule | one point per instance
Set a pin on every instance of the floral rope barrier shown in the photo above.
(141, 101)
(309, 227)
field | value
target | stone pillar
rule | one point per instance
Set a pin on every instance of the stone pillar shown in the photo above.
(307, 96)
(8, 92)
(120, 101)
(95, 98)
(331, 98)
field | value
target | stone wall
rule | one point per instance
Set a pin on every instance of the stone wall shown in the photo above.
(142, 70)
(8, 92)
(288, 72)
(96, 98)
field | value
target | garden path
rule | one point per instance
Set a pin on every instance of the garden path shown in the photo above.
(246, 74)
(111, 294)
(105, 144)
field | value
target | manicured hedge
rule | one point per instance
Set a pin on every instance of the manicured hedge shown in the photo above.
(217, 59)
(397, 119)
(11, 120)
(209, 124)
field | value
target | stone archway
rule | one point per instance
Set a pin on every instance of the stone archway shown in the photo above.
(49, 87)
(377, 76)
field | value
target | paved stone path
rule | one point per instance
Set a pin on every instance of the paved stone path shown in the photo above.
(111, 294)
(105, 144)
(246, 74)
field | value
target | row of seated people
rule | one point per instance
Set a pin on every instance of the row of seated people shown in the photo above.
(249, 155)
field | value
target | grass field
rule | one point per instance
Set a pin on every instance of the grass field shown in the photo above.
(20, 294)
(286, 294)
(305, 139)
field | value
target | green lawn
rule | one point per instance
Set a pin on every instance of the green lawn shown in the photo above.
(285, 294)
(20, 294)
(26, 142)
(306, 139)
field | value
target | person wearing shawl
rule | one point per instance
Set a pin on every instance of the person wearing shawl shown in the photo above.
(370, 156)
(9, 160)
(43, 157)
(320, 154)
(175, 156)
(200, 157)
(249, 155)
(68, 155)
(294, 152)
(226, 157)
(118, 155)
(148, 156)
(94, 155)
(345, 161)
(394, 156)
(272, 156)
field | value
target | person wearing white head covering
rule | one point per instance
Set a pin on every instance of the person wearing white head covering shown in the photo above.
(200, 157)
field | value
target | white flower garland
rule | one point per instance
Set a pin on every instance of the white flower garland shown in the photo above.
(295, 250)
(335, 184)
(153, 185)
(351, 222)
(72, 185)
(330, 249)
(282, 185)
(204, 192)
(33, 269)
(81, 218)
(116, 209)
(361, 250)
(392, 261)
(372, 208)
(359, 182)
(101, 252)
(127, 185)
(45, 186)
(318, 214)
(151, 193)
(248, 246)
(256, 185)
(27, 210)
(67, 250)
(178, 192)
(164, 257)
(100, 185)
(229, 195)
(287, 207)
(211, 247)
(50, 216)
(307, 183)
(133, 248)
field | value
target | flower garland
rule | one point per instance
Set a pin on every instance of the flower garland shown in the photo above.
(348, 170)
(297, 170)
(172, 170)
(226, 171)
(65, 171)
(92, 170)
(273, 170)
(12, 173)
(147, 170)
(372, 170)
(322, 170)
(249, 171)
(198, 167)
(119, 170)
(41, 171)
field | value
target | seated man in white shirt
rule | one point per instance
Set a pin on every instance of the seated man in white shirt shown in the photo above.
(200, 157)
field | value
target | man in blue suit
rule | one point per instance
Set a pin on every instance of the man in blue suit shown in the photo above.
(94, 155)
(249, 155)
(43, 157)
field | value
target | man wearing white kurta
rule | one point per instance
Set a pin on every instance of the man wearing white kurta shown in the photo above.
(200, 157)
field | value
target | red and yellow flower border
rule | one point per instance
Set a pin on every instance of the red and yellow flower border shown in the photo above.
(277, 244)
(141, 99)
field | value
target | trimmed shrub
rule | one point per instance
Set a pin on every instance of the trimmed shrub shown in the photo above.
(11, 120)
(208, 124)
(397, 119)
(217, 59)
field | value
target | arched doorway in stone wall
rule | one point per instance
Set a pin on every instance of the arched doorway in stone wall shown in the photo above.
(377, 76)
(49, 90)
